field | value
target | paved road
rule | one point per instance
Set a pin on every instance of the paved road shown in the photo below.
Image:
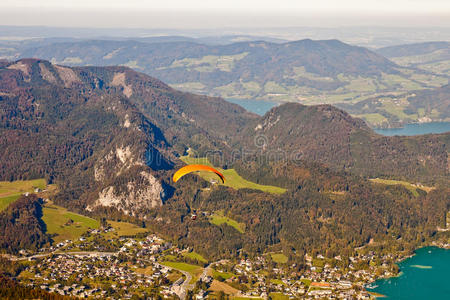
(205, 271)
(185, 286)
(85, 253)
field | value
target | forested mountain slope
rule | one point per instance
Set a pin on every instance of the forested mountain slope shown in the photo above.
(110, 138)
(326, 134)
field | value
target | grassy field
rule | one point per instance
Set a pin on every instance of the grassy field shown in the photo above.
(124, 229)
(224, 275)
(194, 270)
(5, 201)
(58, 218)
(375, 118)
(411, 187)
(232, 178)
(278, 296)
(182, 266)
(218, 219)
(277, 281)
(306, 281)
(170, 257)
(218, 286)
(279, 258)
(146, 271)
(195, 256)
(210, 63)
(11, 191)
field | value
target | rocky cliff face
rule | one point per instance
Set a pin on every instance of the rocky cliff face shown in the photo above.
(139, 192)
(77, 127)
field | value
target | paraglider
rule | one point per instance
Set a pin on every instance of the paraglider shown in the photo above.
(192, 168)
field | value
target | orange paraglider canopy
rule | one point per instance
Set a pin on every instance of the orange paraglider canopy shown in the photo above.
(192, 168)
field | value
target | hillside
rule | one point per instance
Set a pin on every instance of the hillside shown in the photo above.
(103, 134)
(331, 136)
(431, 56)
(323, 71)
(413, 107)
(21, 225)
(65, 125)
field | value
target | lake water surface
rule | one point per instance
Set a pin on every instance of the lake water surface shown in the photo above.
(424, 276)
(417, 129)
(259, 107)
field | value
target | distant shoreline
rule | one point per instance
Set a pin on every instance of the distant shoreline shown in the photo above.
(412, 129)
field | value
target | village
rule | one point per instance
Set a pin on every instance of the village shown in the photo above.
(150, 267)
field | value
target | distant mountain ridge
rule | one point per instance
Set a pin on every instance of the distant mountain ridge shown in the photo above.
(305, 71)
(155, 55)
(431, 105)
(413, 49)
(432, 57)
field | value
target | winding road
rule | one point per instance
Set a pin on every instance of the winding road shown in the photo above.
(185, 286)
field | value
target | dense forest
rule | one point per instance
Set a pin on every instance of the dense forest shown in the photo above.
(323, 133)
(323, 212)
(21, 226)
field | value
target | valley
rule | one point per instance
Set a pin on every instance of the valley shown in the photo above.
(298, 214)
(224, 150)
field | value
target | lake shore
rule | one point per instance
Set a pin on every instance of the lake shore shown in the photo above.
(417, 272)
(412, 129)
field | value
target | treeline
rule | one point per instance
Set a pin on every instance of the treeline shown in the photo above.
(21, 226)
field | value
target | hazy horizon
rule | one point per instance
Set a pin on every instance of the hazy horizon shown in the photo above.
(197, 14)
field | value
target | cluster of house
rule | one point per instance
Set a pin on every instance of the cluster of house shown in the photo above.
(326, 282)
(73, 290)
(72, 274)
(101, 274)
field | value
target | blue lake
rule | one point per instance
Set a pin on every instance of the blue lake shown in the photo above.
(417, 129)
(426, 275)
(259, 107)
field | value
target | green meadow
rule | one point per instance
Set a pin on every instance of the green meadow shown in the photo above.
(10, 191)
(278, 296)
(224, 275)
(194, 270)
(218, 219)
(195, 256)
(232, 178)
(66, 225)
(279, 258)
(411, 187)
(124, 229)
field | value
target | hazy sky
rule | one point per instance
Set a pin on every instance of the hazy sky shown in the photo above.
(205, 13)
